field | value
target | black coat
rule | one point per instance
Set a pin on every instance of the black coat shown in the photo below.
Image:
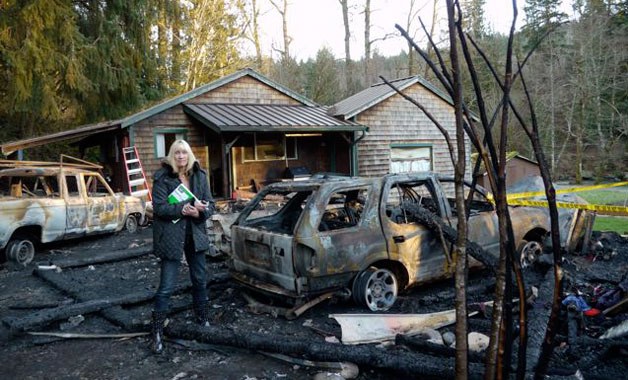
(169, 237)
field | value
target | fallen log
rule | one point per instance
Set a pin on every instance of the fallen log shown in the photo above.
(410, 364)
(82, 306)
(89, 258)
(46, 316)
(435, 224)
(538, 318)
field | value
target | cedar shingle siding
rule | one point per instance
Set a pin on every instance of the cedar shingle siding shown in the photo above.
(397, 121)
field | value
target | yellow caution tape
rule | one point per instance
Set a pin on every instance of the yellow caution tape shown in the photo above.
(602, 209)
(564, 191)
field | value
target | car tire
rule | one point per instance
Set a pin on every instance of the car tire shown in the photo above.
(131, 224)
(20, 251)
(376, 289)
(529, 252)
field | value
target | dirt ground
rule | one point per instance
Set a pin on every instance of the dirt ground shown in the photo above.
(26, 292)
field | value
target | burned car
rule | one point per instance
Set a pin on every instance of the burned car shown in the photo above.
(357, 234)
(41, 204)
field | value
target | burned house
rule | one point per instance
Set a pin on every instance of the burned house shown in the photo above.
(401, 137)
(246, 129)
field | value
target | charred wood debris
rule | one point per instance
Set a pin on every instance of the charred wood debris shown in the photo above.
(118, 285)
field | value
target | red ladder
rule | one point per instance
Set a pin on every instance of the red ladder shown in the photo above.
(136, 179)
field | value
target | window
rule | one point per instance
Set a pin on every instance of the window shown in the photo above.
(268, 146)
(95, 186)
(419, 193)
(72, 185)
(344, 210)
(163, 140)
(410, 158)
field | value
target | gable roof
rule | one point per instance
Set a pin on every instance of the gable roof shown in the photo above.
(130, 120)
(90, 129)
(377, 93)
(228, 117)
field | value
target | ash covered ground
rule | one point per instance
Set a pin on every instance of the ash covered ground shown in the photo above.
(31, 292)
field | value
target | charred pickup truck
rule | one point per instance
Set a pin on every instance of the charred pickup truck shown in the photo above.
(357, 234)
(41, 204)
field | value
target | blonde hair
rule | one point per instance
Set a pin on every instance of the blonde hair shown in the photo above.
(174, 147)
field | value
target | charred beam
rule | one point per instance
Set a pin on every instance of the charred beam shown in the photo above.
(410, 364)
(89, 258)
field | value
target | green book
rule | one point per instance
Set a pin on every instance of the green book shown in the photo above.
(180, 194)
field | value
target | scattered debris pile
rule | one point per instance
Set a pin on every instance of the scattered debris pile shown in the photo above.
(77, 294)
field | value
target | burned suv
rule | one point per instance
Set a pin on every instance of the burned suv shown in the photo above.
(304, 238)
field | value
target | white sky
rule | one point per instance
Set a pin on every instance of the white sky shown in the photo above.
(313, 24)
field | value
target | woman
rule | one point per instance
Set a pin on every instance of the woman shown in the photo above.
(179, 228)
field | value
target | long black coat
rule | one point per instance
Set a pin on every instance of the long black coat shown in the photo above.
(169, 237)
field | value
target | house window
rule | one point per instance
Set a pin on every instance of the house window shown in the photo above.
(410, 158)
(163, 140)
(268, 146)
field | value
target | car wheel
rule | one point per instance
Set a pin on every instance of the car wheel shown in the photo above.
(529, 252)
(375, 288)
(131, 224)
(20, 251)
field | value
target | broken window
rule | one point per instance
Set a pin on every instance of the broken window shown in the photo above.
(72, 186)
(268, 146)
(479, 202)
(344, 210)
(278, 211)
(417, 192)
(95, 186)
(163, 140)
(30, 186)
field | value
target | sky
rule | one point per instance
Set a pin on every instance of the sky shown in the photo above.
(313, 24)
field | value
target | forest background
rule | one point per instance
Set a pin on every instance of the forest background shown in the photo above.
(67, 63)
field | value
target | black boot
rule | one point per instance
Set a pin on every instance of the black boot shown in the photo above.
(202, 315)
(157, 332)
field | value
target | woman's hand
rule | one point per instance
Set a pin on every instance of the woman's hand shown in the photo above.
(201, 205)
(189, 210)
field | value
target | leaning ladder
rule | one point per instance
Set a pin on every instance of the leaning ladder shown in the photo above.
(138, 186)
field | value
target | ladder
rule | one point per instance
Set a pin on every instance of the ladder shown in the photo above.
(138, 186)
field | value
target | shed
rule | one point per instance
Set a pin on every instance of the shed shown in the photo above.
(244, 128)
(518, 167)
(401, 137)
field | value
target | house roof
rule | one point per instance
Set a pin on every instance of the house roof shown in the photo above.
(212, 86)
(367, 98)
(83, 131)
(90, 129)
(222, 117)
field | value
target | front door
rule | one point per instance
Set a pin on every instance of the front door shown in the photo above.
(419, 249)
(102, 206)
(76, 211)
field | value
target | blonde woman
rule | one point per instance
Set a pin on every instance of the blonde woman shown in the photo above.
(179, 229)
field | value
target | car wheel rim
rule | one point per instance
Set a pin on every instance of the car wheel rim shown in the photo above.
(530, 252)
(379, 289)
(131, 223)
(22, 252)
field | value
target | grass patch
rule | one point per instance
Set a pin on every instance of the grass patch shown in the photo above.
(617, 196)
(611, 223)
